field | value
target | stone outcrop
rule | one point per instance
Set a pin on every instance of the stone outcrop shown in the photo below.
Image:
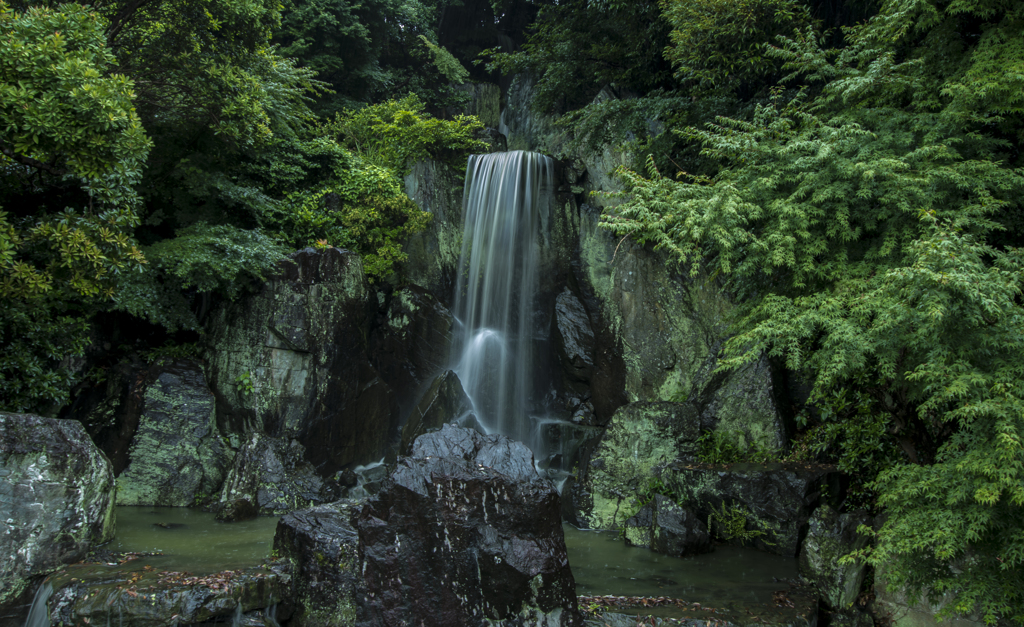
(762, 505)
(830, 536)
(135, 596)
(671, 329)
(641, 438)
(272, 475)
(575, 337)
(177, 456)
(412, 343)
(664, 527)
(433, 260)
(291, 361)
(444, 401)
(465, 533)
(56, 495)
(322, 546)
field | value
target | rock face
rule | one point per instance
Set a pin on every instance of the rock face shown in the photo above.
(434, 253)
(56, 495)
(412, 343)
(291, 361)
(830, 536)
(132, 596)
(771, 503)
(272, 475)
(444, 401)
(671, 329)
(665, 527)
(450, 541)
(322, 546)
(575, 337)
(177, 456)
(470, 536)
(640, 438)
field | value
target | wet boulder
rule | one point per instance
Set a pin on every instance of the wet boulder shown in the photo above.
(322, 546)
(664, 527)
(444, 402)
(640, 438)
(762, 505)
(411, 343)
(135, 594)
(292, 361)
(504, 455)
(575, 337)
(453, 539)
(177, 456)
(273, 476)
(830, 536)
(56, 495)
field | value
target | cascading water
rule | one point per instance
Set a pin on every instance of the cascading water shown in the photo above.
(507, 203)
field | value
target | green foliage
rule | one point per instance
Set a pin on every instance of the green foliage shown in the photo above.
(720, 43)
(579, 46)
(731, 524)
(223, 259)
(368, 213)
(244, 384)
(397, 133)
(37, 342)
(446, 64)
(71, 150)
(868, 226)
(727, 447)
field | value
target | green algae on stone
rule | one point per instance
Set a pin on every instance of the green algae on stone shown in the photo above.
(640, 438)
(177, 456)
(56, 495)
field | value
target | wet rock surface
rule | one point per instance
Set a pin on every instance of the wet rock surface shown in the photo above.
(411, 343)
(575, 335)
(770, 503)
(450, 541)
(130, 595)
(640, 438)
(273, 476)
(830, 536)
(447, 541)
(508, 457)
(56, 495)
(292, 362)
(668, 330)
(664, 527)
(433, 260)
(177, 456)
(322, 546)
(444, 401)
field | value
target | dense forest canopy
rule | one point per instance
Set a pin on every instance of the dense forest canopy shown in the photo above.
(848, 170)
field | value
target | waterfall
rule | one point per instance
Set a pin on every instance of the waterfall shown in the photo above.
(506, 202)
(39, 613)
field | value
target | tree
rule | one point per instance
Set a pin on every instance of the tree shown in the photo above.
(68, 127)
(867, 226)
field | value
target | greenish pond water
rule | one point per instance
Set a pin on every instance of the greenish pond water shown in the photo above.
(731, 579)
(191, 540)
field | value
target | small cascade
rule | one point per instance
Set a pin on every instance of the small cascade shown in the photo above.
(39, 613)
(507, 203)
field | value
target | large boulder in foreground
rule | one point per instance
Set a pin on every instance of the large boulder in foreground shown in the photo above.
(468, 534)
(177, 456)
(322, 545)
(56, 495)
(292, 361)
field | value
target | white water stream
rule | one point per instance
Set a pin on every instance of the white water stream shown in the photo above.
(507, 203)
